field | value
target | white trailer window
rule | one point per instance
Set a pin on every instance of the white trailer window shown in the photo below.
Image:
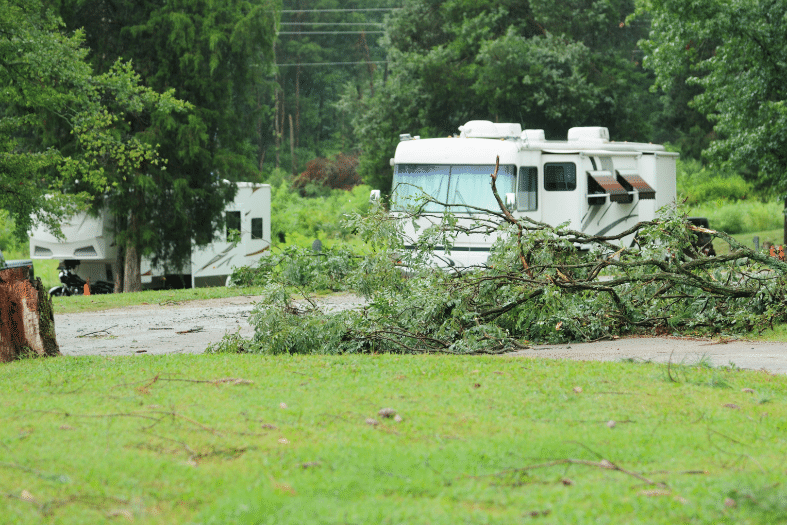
(233, 222)
(527, 189)
(560, 176)
(256, 227)
(464, 185)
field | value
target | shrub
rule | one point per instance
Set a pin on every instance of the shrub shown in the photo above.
(741, 216)
(698, 184)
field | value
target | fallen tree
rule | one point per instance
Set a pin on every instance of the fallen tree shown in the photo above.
(541, 284)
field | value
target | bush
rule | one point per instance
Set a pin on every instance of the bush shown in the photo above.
(741, 216)
(698, 185)
(301, 268)
(300, 220)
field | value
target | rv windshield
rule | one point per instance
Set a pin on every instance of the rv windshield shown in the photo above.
(467, 185)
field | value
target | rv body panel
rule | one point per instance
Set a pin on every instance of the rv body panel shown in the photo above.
(89, 240)
(212, 264)
(592, 184)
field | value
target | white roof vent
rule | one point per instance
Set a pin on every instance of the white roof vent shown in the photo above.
(534, 135)
(484, 129)
(589, 134)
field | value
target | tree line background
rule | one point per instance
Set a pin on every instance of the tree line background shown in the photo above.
(149, 107)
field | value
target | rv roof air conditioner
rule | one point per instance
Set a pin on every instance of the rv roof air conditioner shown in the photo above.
(484, 129)
(534, 135)
(588, 134)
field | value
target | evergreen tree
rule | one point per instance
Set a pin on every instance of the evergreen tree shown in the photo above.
(216, 55)
(46, 80)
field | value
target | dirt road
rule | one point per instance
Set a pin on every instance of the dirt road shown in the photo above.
(190, 327)
(168, 328)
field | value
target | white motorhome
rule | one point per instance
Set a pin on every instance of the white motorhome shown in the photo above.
(89, 240)
(598, 186)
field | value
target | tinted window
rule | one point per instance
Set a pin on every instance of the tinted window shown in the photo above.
(527, 189)
(256, 228)
(233, 222)
(560, 176)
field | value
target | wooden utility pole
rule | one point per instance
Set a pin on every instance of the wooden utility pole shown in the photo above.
(292, 148)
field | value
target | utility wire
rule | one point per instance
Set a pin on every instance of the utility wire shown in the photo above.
(333, 63)
(331, 23)
(338, 10)
(329, 32)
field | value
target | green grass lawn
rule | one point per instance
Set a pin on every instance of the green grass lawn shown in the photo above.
(291, 440)
(87, 303)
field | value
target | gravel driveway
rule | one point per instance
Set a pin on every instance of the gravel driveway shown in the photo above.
(189, 327)
(169, 328)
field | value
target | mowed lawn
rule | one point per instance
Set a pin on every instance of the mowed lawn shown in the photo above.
(300, 439)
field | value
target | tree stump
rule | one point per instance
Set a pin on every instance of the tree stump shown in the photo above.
(27, 321)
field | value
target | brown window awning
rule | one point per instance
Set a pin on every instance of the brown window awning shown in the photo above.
(632, 178)
(609, 185)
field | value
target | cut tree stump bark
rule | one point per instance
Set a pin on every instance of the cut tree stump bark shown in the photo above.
(27, 322)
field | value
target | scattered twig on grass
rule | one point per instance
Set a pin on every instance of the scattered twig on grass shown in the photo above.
(48, 507)
(98, 331)
(48, 477)
(156, 378)
(603, 464)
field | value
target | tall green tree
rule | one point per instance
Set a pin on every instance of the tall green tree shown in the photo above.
(734, 53)
(45, 79)
(215, 55)
(549, 65)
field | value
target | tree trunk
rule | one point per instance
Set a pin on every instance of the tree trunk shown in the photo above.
(117, 270)
(132, 278)
(132, 281)
(27, 322)
(278, 125)
(292, 149)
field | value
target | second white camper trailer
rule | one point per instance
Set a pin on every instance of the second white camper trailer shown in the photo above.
(596, 185)
(89, 243)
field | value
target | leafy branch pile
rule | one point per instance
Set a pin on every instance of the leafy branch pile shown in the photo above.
(541, 284)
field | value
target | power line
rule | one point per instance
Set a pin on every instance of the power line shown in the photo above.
(330, 32)
(331, 23)
(334, 63)
(338, 10)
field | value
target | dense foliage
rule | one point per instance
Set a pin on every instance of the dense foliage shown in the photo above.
(214, 55)
(732, 53)
(546, 65)
(547, 285)
(48, 85)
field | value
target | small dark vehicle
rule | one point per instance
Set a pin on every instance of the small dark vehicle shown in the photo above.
(704, 241)
(72, 284)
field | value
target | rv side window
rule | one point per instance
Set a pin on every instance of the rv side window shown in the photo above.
(527, 189)
(256, 227)
(560, 176)
(233, 222)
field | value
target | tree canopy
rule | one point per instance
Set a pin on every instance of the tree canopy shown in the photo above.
(47, 83)
(547, 65)
(734, 53)
(213, 55)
